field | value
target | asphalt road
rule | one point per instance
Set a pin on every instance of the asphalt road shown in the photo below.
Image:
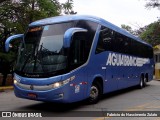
(132, 99)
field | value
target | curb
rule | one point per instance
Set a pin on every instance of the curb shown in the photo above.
(157, 79)
(2, 89)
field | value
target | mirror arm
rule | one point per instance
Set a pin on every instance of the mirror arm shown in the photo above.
(69, 33)
(10, 39)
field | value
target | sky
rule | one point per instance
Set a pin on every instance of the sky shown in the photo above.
(118, 12)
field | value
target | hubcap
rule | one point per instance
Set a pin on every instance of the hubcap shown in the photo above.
(94, 92)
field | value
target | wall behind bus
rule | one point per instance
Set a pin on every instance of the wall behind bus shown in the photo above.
(157, 63)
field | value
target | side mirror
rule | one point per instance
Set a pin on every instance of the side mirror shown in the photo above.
(68, 35)
(11, 38)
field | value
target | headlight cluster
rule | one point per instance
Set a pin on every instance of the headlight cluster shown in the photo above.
(16, 80)
(61, 83)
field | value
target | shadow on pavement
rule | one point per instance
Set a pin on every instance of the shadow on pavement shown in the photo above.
(56, 109)
(123, 91)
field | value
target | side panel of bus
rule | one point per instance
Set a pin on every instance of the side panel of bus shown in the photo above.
(135, 60)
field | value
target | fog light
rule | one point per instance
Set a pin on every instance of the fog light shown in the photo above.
(61, 95)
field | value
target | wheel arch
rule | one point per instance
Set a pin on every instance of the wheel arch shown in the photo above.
(99, 80)
(142, 75)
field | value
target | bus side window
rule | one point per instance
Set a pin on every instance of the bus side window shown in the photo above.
(105, 40)
(127, 46)
(118, 43)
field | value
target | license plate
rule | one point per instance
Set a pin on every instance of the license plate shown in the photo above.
(32, 95)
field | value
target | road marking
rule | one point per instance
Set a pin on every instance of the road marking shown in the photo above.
(102, 118)
(155, 107)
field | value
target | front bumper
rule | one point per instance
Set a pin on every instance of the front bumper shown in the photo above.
(53, 95)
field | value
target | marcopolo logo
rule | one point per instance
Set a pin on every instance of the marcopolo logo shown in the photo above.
(125, 60)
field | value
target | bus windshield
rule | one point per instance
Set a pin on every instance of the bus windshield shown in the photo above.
(42, 52)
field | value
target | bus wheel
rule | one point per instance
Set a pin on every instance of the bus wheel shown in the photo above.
(145, 82)
(95, 93)
(141, 84)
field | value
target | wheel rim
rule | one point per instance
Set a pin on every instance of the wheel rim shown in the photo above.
(94, 93)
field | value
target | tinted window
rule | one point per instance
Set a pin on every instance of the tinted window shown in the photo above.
(110, 40)
(105, 41)
(91, 27)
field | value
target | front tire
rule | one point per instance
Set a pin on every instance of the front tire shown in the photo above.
(95, 93)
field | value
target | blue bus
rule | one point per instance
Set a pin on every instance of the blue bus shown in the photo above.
(71, 58)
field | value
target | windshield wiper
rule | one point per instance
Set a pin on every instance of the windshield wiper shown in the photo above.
(40, 54)
(25, 62)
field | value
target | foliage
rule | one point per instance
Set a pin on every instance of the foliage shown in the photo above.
(135, 32)
(153, 4)
(67, 7)
(127, 28)
(8, 57)
(151, 34)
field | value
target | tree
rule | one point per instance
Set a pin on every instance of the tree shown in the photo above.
(152, 31)
(127, 28)
(136, 32)
(153, 4)
(67, 7)
(151, 34)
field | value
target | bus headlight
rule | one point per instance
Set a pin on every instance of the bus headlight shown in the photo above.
(15, 81)
(61, 83)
